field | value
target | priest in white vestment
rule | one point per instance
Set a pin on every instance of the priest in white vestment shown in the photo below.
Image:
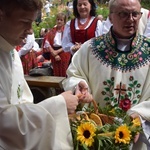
(23, 124)
(116, 66)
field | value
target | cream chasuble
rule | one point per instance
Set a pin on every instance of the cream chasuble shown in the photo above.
(107, 71)
(24, 125)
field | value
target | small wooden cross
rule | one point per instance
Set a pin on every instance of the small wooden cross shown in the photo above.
(120, 89)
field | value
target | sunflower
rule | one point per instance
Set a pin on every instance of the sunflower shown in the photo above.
(86, 133)
(122, 135)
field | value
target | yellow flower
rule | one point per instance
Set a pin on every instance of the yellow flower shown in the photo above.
(123, 135)
(136, 122)
(112, 111)
(85, 133)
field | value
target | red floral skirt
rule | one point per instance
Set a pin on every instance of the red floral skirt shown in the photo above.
(29, 61)
(60, 67)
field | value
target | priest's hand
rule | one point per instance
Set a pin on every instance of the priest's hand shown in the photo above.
(71, 101)
(83, 93)
(133, 116)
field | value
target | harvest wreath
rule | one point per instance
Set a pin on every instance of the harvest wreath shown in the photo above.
(108, 128)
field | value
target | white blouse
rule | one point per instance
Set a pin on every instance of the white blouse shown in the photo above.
(67, 40)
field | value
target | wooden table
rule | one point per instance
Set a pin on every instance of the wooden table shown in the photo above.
(44, 81)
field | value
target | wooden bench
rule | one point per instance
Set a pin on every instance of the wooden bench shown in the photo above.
(43, 87)
(44, 81)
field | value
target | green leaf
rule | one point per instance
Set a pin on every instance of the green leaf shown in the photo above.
(77, 146)
(137, 91)
(129, 94)
(131, 85)
(107, 89)
(135, 82)
(122, 96)
(135, 101)
(106, 99)
(100, 143)
(109, 81)
(85, 147)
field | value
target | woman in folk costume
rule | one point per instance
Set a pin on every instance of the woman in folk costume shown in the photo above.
(116, 67)
(27, 53)
(59, 58)
(83, 27)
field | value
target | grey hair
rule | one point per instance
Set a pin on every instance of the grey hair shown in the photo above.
(113, 4)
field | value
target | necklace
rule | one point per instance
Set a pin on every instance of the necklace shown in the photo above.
(82, 26)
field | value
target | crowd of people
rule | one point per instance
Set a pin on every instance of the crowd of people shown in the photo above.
(89, 52)
(85, 25)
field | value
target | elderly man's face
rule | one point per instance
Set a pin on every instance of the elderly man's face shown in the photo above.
(125, 18)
